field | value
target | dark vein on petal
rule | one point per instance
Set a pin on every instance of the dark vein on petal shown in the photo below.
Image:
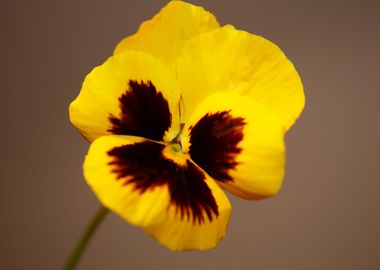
(143, 112)
(214, 143)
(144, 166)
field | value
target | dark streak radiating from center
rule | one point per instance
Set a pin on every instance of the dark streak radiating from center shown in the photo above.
(214, 143)
(144, 112)
(144, 166)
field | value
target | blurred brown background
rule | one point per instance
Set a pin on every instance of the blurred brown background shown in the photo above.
(327, 214)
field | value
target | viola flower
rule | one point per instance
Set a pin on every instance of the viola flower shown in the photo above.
(183, 110)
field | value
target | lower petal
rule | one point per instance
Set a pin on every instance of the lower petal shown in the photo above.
(175, 202)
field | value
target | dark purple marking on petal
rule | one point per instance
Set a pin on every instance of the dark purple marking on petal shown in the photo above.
(144, 112)
(144, 166)
(214, 143)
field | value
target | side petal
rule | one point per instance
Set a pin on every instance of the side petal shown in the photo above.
(229, 59)
(176, 203)
(239, 143)
(130, 94)
(165, 34)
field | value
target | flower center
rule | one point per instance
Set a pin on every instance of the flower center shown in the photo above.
(176, 147)
(173, 151)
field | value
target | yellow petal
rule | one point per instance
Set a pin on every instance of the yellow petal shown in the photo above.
(239, 143)
(233, 60)
(176, 203)
(130, 94)
(166, 33)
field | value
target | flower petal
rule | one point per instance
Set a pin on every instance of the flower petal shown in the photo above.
(239, 143)
(229, 59)
(175, 202)
(130, 94)
(165, 34)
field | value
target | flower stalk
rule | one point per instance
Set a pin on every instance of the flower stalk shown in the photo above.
(73, 260)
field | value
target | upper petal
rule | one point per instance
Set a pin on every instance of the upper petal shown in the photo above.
(130, 94)
(233, 60)
(166, 33)
(239, 143)
(177, 203)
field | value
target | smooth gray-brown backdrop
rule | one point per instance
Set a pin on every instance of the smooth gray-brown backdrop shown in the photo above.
(327, 214)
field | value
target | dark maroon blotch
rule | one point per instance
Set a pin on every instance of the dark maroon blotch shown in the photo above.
(214, 143)
(144, 112)
(144, 166)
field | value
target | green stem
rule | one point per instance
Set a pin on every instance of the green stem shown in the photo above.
(76, 254)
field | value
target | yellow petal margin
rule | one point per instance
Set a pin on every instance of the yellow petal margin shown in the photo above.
(259, 169)
(151, 209)
(99, 97)
(166, 33)
(233, 60)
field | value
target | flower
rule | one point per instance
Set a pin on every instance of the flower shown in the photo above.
(184, 109)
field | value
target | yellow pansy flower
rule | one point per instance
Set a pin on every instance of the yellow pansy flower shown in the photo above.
(184, 109)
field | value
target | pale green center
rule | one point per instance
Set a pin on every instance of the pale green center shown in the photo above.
(176, 147)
